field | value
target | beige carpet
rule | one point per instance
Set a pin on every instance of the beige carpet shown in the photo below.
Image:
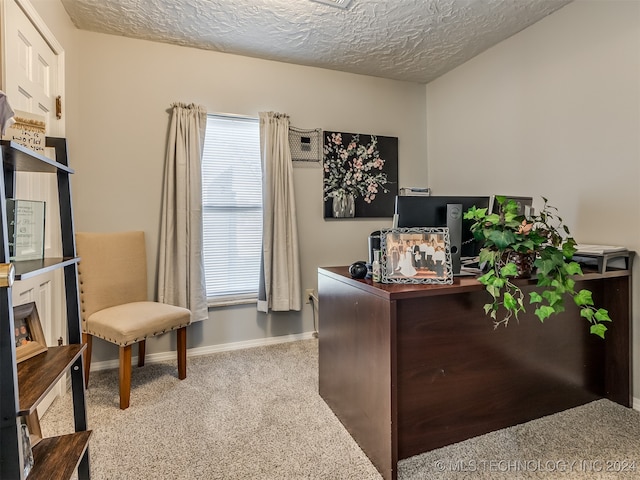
(256, 414)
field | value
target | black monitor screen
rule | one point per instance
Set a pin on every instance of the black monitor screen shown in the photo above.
(432, 212)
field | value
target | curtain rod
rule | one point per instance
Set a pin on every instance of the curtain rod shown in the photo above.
(233, 115)
(229, 115)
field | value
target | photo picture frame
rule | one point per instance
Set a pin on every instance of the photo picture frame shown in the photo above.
(416, 255)
(27, 450)
(26, 229)
(29, 337)
(32, 422)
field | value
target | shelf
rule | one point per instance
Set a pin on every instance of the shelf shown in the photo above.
(58, 457)
(37, 375)
(22, 159)
(30, 268)
(54, 457)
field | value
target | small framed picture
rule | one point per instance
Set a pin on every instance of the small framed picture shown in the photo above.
(416, 255)
(32, 422)
(27, 452)
(29, 337)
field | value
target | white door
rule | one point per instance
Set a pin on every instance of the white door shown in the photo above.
(32, 73)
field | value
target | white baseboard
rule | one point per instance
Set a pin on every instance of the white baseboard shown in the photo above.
(636, 403)
(196, 352)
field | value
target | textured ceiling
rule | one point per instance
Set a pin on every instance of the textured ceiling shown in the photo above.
(412, 40)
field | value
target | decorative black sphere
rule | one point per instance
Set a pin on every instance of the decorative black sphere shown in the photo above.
(358, 270)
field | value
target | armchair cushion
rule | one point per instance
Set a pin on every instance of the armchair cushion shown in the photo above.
(132, 322)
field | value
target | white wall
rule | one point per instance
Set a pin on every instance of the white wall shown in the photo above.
(552, 111)
(118, 133)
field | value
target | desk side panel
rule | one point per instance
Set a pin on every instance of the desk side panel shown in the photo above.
(615, 296)
(356, 345)
(459, 378)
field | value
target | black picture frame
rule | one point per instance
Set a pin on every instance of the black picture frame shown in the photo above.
(334, 159)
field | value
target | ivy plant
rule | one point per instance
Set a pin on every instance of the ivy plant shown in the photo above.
(543, 237)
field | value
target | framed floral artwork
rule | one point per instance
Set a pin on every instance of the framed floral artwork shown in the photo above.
(360, 175)
(416, 255)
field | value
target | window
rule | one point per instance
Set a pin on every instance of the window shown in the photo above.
(232, 208)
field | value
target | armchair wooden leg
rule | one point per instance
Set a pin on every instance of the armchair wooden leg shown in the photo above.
(125, 376)
(88, 339)
(182, 353)
(142, 344)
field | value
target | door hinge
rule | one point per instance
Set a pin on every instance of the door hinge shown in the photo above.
(58, 107)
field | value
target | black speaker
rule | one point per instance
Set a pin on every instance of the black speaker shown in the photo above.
(374, 244)
(454, 222)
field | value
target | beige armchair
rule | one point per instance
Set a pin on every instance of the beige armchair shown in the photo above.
(112, 273)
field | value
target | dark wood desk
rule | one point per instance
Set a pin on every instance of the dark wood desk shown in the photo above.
(411, 368)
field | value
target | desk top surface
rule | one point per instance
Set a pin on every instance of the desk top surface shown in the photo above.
(397, 291)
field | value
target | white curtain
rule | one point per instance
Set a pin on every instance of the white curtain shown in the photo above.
(279, 288)
(181, 278)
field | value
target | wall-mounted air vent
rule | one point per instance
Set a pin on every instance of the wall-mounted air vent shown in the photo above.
(335, 3)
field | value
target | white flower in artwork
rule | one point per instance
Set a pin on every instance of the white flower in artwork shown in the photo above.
(353, 169)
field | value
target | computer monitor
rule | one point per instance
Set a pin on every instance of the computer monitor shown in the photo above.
(432, 212)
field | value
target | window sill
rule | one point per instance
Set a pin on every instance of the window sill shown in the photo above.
(231, 301)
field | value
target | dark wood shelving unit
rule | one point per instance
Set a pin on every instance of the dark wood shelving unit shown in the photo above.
(31, 268)
(17, 158)
(37, 375)
(24, 385)
(58, 454)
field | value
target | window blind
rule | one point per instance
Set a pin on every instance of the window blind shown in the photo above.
(232, 207)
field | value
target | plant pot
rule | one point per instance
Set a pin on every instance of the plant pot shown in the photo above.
(522, 261)
(344, 206)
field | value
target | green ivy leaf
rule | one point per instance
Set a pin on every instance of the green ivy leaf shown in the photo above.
(545, 266)
(527, 245)
(598, 329)
(558, 285)
(552, 297)
(543, 312)
(511, 217)
(492, 218)
(472, 213)
(553, 254)
(543, 280)
(509, 302)
(569, 248)
(569, 284)
(535, 297)
(495, 292)
(509, 270)
(583, 297)
(487, 256)
(501, 239)
(587, 313)
(602, 315)
(486, 278)
(573, 268)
